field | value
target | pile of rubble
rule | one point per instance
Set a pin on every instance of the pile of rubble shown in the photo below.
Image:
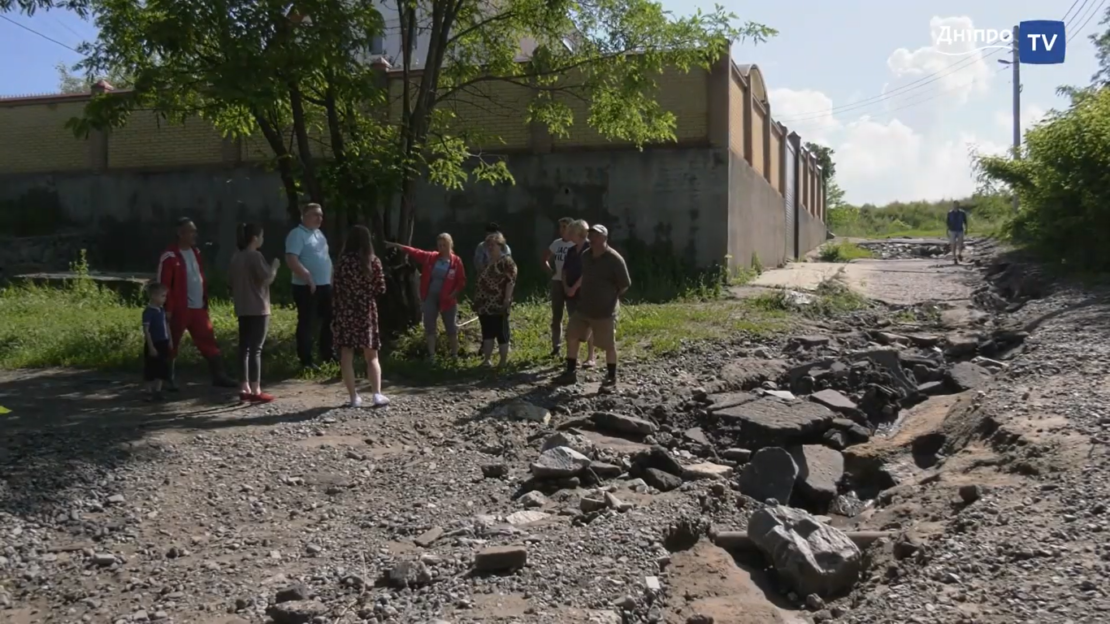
(901, 249)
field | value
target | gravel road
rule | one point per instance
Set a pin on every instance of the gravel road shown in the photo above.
(426, 512)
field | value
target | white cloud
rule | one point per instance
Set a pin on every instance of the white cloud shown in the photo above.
(896, 148)
(1031, 115)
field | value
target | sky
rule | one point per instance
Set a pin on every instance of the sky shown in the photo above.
(902, 108)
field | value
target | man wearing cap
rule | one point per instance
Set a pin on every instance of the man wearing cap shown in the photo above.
(481, 254)
(181, 271)
(604, 279)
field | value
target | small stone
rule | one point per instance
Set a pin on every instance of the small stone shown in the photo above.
(605, 471)
(623, 424)
(771, 473)
(494, 471)
(116, 499)
(970, 493)
(429, 537)
(590, 505)
(738, 455)
(652, 583)
(533, 500)
(662, 481)
(559, 462)
(706, 470)
(501, 558)
(296, 612)
(291, 594)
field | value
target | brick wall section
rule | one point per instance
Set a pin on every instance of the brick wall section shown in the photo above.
(149, 142)
(775, 176)
(33, 137)
(737, 122)
(493, 113)
(759, 118)
(683, 94)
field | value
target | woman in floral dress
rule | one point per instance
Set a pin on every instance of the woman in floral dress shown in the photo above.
(494, 299)
(359, 278)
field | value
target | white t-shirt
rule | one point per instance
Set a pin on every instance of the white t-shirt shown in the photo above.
(194, 285)
(559, 249)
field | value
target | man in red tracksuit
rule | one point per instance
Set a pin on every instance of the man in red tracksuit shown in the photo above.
(181, 271)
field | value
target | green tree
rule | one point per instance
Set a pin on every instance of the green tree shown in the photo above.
(69, 82)
(834, 195)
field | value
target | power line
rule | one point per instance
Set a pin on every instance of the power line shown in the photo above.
(1074, 2)
(1089, 17)
(916, 84)
(35, 32)
(1075, 33)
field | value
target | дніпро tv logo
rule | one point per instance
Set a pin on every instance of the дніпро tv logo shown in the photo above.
(1042, 42)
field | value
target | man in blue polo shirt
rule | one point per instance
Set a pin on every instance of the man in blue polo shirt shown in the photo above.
(306, 254)
(957, 225)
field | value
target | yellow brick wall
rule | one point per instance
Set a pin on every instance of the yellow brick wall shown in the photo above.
(493, 114)
(776, 162)
(683, 94)
(736, 121)
(147, 141)
(33, 138)
(758, 119)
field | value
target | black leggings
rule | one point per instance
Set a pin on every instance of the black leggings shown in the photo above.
(252, 335)
(495, 326)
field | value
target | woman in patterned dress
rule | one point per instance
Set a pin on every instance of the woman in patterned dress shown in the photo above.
(359, 278)
(494, 298)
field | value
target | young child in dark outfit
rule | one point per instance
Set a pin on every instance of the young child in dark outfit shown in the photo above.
(156, 341)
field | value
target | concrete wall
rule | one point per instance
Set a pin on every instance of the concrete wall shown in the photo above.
(675, 200)
(715, 190)
(811, 232)
(129, 215)
(756, 219)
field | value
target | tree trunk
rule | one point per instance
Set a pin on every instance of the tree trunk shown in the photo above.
(304, 148)
(284, 164)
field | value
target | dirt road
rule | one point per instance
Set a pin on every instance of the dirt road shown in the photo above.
(206, 511)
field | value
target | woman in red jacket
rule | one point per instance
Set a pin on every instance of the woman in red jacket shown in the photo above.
(442, 278)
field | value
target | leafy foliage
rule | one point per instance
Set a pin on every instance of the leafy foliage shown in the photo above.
(69, 82)
(1063, 183)
(834, 195)
(986, 211)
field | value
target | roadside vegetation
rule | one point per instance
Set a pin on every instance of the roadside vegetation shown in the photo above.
(90, 326)
(987, 215)
(1063, 177)
(844, 251)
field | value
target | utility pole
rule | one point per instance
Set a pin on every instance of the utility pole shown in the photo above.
(1015, 62)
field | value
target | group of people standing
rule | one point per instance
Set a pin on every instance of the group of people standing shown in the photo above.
(587, 279)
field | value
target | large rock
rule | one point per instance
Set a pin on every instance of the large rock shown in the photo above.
(835, 401)
(656, 457)
(811, 557)
(662, 481)
(619, 423)
(967, 376)
(748, 373)
(820, 470)
(296, 612)
(771, 473)
(570, 440)
(501, 559)
(523, 410)
(773, 421)
(558, 463)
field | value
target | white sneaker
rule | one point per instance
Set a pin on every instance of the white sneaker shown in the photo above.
(380, 400)
(356, 402)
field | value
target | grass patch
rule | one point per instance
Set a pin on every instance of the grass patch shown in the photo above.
(843, 252)
(831, 298)
(87, 326)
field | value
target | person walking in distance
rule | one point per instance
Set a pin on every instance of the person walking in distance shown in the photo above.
(359, 280)
(572, 277)
(957, 224)
(442, 279)
(494, 299)
(250, 276)
(604, 279)
(156, 342)
(307, 255)
(553, 258)
(181, 271)
(481, 253)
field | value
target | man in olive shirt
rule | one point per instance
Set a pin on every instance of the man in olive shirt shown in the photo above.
(604, 279)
